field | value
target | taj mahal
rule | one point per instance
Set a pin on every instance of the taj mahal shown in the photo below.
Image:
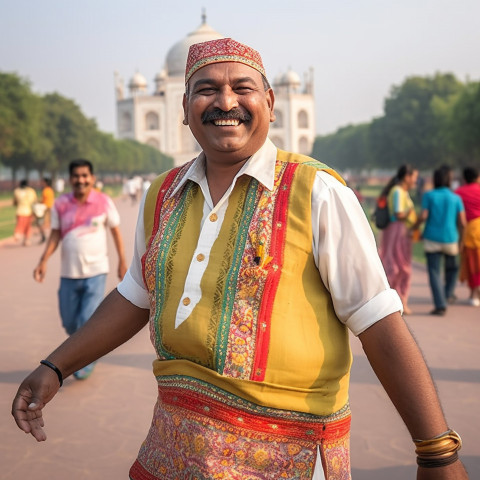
(155, 117)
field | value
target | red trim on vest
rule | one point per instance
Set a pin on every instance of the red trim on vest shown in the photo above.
(166, 184)
(277, 248)
(215, 409)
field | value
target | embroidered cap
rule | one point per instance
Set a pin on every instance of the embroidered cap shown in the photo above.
(221, 50)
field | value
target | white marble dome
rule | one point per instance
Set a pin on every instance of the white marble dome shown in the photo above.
(177, 55)
(162, 75)
(291, 78)
(138, 81)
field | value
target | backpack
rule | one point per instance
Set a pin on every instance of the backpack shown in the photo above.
(381, 215)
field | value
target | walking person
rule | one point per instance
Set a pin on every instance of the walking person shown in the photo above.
(42, 210)
(24, 198)
(251, 264)
(48, 199)
(443, 212)
(396, 242)
(470, 254)
(79, 221)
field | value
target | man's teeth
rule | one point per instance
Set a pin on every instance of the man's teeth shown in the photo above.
(230, 123)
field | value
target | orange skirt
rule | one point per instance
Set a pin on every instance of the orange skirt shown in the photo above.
(470, 260)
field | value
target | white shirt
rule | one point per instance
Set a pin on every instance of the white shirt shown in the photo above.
(83, 232)
(343, 245)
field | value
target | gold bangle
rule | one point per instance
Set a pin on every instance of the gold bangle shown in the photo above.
(444, 444)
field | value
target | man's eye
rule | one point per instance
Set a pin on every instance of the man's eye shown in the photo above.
(243, 89)
(206, 91)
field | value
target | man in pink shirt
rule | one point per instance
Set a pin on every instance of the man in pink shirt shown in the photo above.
(79, 220)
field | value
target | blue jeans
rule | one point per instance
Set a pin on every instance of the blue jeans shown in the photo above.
(78, 298)
(441, 293)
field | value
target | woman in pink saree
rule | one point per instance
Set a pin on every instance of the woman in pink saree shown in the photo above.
(396, 243)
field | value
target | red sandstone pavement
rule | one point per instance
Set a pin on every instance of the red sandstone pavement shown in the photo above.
(95, 427)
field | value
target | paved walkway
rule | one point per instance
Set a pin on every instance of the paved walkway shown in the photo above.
(95, 427)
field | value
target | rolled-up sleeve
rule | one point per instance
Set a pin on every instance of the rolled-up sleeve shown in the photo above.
(346, 256)
(132, 286)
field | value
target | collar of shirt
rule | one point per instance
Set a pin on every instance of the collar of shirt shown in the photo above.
(90, 198)
(261, 166)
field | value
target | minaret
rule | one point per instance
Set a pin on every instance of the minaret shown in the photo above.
(119, 89)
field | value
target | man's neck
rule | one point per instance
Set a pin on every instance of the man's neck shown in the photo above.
(81, 198)
(220, 176)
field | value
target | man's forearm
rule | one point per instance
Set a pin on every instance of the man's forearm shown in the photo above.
(118, 241)
(400, 367)
(52, 244)
(114, 322)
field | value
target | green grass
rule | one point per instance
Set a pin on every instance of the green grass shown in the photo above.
(371, 191)
(419, 253)
(7, 221)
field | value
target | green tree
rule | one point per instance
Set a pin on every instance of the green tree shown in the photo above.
(409, 130)
(21, 140)
(464, 125)
(347, 148)
(69, 132)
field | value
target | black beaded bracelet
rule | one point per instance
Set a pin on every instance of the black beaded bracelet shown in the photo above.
(54, 368)
(439, 462)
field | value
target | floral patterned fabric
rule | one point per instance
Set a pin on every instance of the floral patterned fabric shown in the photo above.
(200, 432)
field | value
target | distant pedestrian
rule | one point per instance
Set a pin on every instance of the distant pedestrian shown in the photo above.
(420, 189)
(132, 189)
(48, 199)
(396, 243)
(59, 185)
(470, 259)
(42, 210)
(79, 220)
(443, 212)
(23, 198)
(145, 184)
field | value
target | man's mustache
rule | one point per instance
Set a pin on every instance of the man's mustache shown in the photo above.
(233, 114)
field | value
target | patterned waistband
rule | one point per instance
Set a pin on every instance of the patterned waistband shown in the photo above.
(209, 401)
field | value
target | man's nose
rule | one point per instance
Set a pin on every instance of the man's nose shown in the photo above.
(226, 99)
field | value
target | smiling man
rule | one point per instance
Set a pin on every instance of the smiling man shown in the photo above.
(252, 264)
(79, 220)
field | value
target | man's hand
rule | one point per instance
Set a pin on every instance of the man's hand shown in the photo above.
(40, 272)
(122, 269)
(52, 244)
(33, 394)
(118, 241)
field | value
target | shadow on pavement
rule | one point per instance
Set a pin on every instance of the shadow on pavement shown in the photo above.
(13, 376)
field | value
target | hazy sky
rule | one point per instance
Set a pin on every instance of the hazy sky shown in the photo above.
(358, 49)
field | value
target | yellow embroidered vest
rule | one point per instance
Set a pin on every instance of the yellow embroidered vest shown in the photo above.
(265, 328)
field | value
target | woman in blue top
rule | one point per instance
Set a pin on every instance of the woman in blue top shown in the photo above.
(445, 216)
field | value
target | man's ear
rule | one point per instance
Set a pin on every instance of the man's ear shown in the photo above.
(185, 110)
(271, 102)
